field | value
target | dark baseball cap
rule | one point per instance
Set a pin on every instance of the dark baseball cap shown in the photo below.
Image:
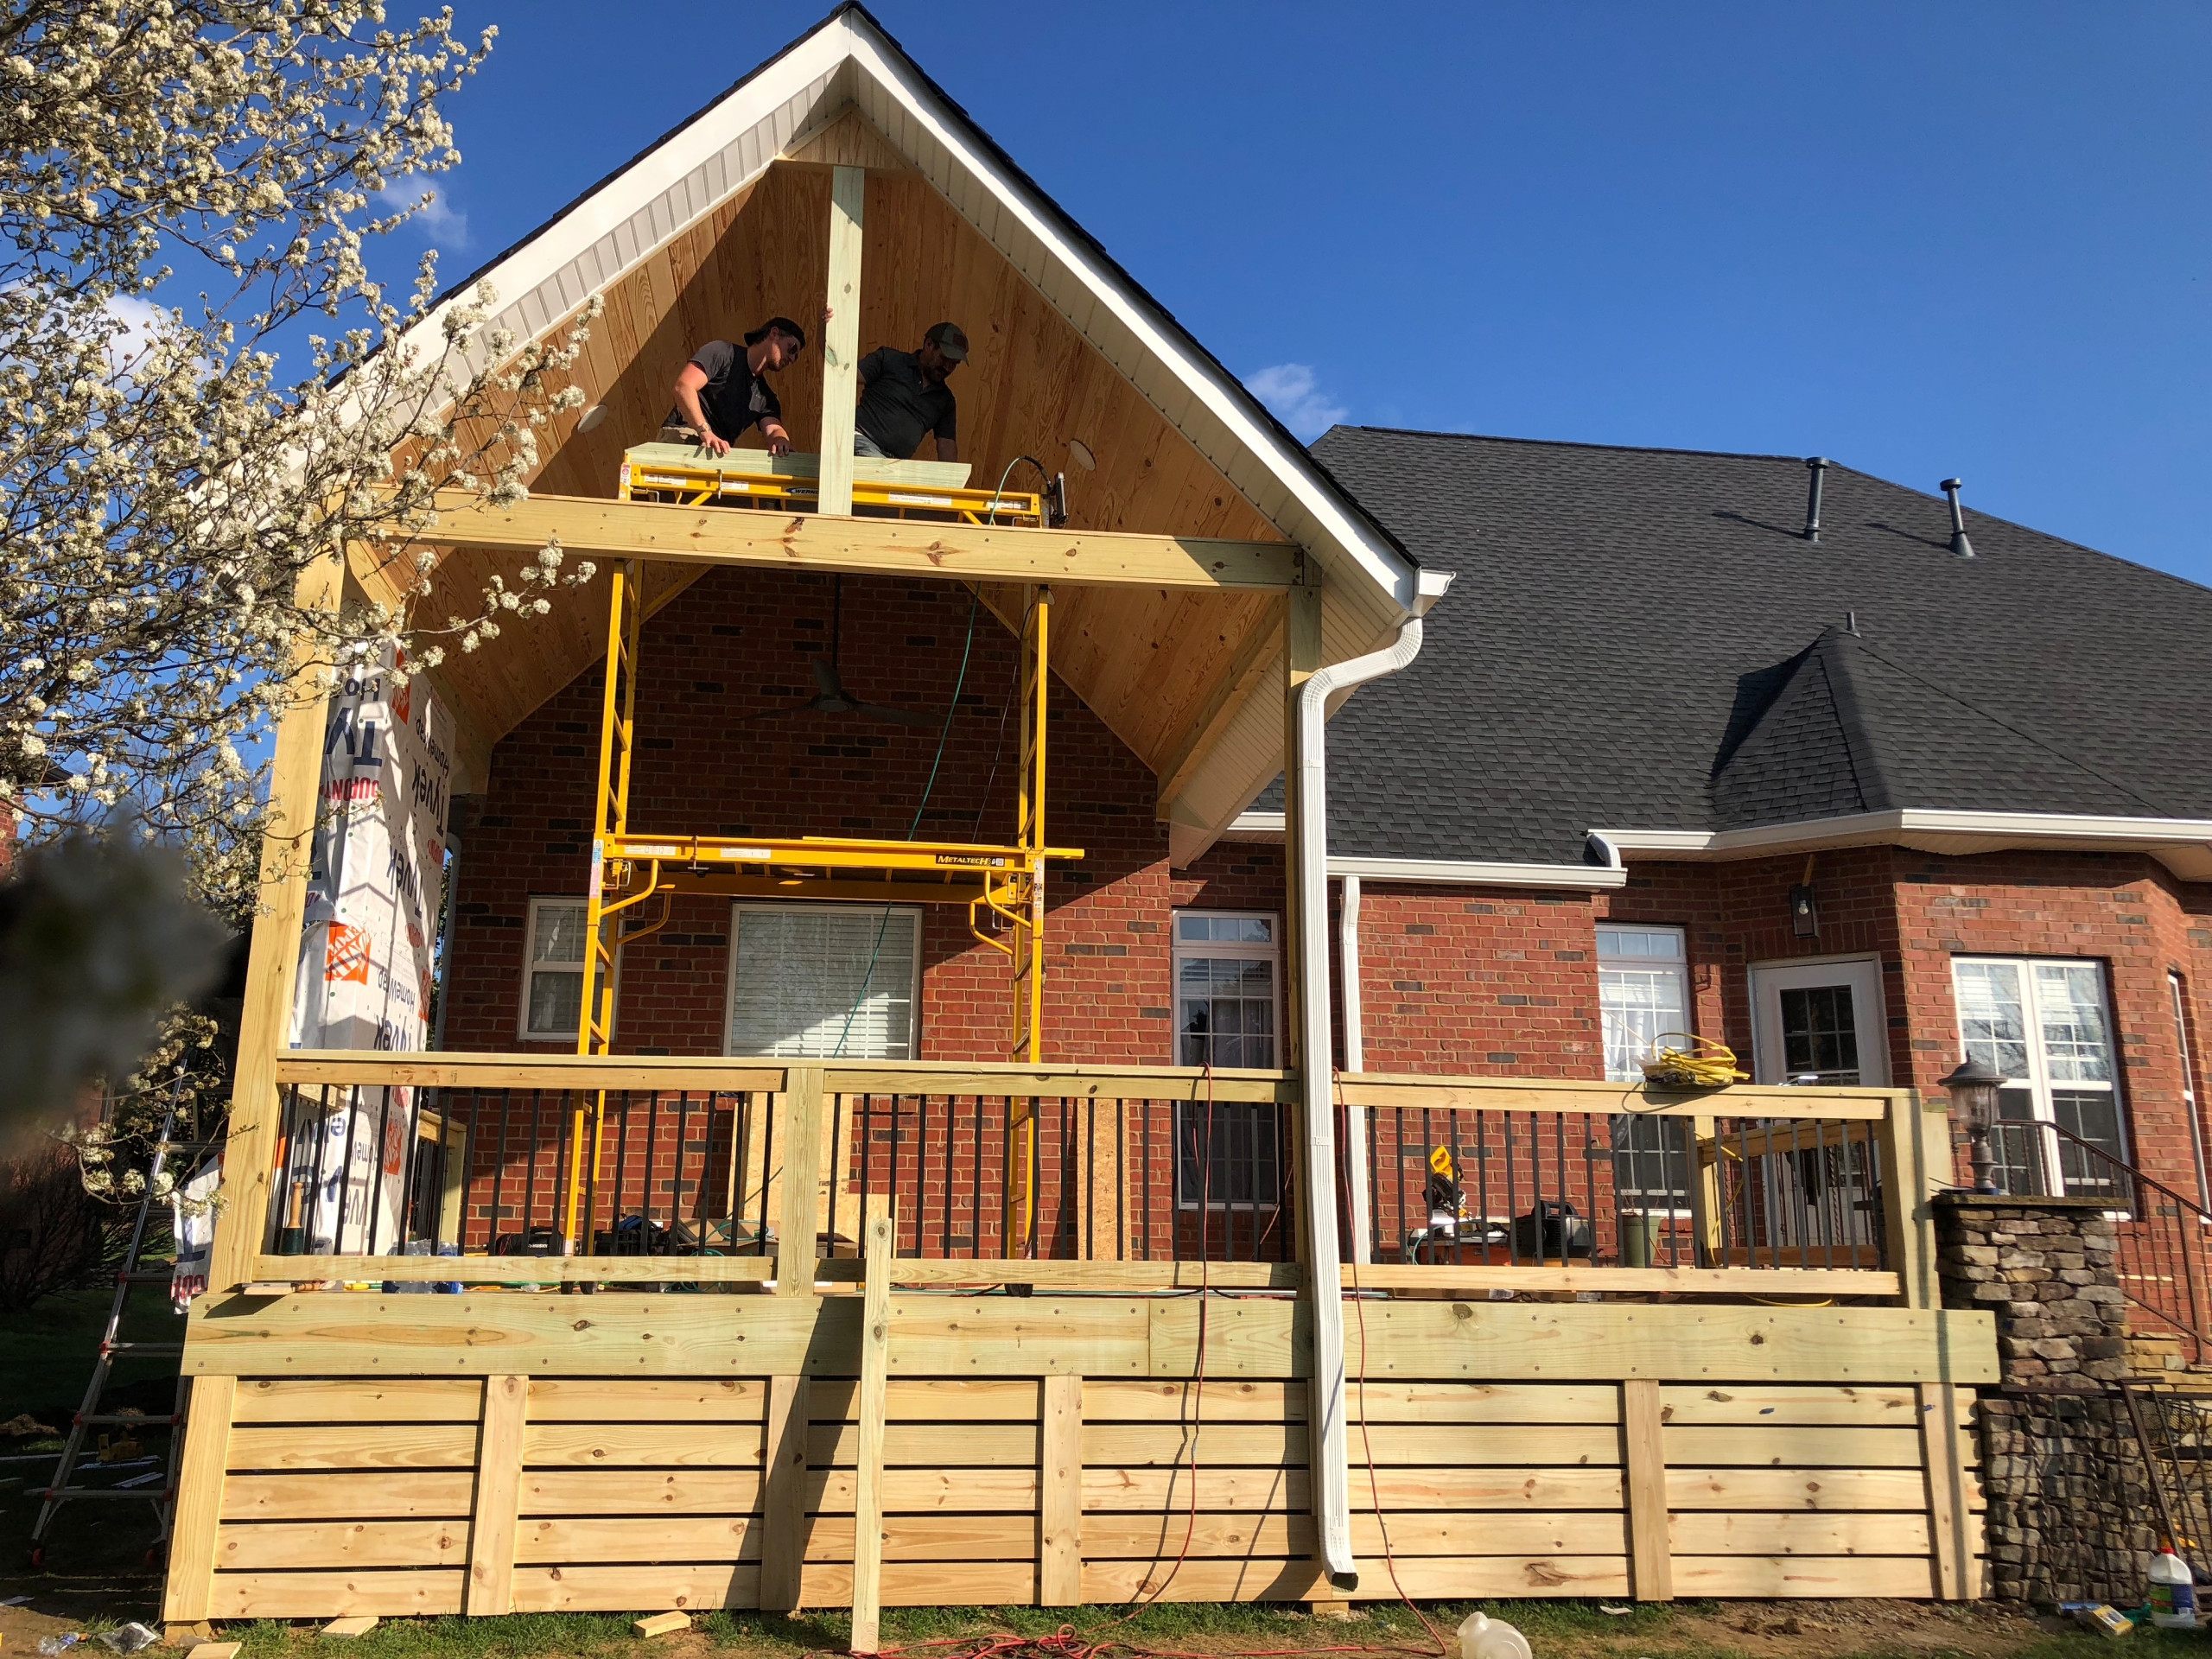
(948, 338)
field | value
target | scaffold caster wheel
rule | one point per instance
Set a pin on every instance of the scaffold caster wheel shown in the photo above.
(38, 1558)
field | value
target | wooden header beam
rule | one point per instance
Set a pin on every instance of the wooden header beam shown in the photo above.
(712, 536)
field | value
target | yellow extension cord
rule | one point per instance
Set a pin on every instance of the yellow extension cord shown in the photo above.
(1703, 1063)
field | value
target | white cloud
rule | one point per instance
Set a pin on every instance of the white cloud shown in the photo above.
(1289, 389)
(138, 318)
(445, 224)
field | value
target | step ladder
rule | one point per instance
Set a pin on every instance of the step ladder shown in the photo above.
(64, 1489)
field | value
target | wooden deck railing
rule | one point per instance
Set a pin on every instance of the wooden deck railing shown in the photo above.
(426, 1169)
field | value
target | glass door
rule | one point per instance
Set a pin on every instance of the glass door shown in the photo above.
(1819, 1023)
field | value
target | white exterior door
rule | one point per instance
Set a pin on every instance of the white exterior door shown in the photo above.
(1821, 1021)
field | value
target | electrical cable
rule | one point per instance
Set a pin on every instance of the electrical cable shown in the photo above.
(1704, 1064)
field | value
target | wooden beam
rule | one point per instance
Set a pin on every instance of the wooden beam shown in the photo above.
(1059, 1494)
(1917, 1163)
(783, 1499)
(455, 1070)
(874, 1390)
(840, 338)
(272, 959)
(498, 1495)
(1247, 670)
(1566, 1094)
(1644, 1465)
(1301, 658)
(734, 536)
(802, 1138)
(199, 1477)
(1707, 1281)
(1949, 1524)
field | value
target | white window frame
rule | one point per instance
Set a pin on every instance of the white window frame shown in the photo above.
(739, 908)
(2178, 987)
(1236, 951)
(532, 967)
(2039, 1083)
(1678, 966)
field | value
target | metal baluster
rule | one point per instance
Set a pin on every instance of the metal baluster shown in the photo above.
(352, 1094)
(1512, 1201)
(1121, 1182)
(1398, 1161)
(1144, 1149)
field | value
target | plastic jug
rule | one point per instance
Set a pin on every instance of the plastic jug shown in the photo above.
(2173, 1592)
(1484, 1637)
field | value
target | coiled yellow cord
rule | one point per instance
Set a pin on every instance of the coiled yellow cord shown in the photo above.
(1700, 1064)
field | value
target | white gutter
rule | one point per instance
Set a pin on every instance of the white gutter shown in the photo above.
(1254, 826)
(1355, 1060)
(2184, 845)
(1325, 1412)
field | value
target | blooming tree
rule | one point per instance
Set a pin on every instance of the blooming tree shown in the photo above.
(164, 480)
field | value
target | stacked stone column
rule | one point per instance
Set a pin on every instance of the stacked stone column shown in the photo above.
(2070, 1516)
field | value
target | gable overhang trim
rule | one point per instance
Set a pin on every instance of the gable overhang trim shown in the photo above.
(2183, 845)
(1268, 827)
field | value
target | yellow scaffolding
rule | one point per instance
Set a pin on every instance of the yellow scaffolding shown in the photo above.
(1003, 886)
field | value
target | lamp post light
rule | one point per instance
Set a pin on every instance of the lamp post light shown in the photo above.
(1973, 1089)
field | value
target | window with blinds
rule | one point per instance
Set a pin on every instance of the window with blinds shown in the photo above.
(824, 981)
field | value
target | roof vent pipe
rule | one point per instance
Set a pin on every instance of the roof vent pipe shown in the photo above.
(1815, 465)
(1960, 545)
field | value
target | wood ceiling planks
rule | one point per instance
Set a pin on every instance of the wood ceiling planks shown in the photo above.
(1144, 660)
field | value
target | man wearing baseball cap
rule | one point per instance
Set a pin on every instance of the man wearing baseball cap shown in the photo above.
(903, 395)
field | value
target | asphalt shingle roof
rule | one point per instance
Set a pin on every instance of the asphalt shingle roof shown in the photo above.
(1644, 638)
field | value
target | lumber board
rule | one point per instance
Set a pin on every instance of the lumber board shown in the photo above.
(514, 1269)
(1384, 1090)
(418, 1592)
(1483, 1402)
(359, 1399)
(1090, 1335)
(800, 1137)
(1778, 1280)
(1059, 1479)
(841, 333)
(614, 1539)
(868, 1506)
(1953, 1537)
(1427, 1578)
(783, 1498)
(931, 1398)
(1238, 1399)
(640, 1491)
(1156, 1490)
(947, 1492)
(1866, 1407)
(1719, 1532)
(687, 1400)
(1104, 1275)
(1257, 648)
(1805, 1446)
(661, 1624)
(928, 1445)
(1803, 1489)
(427, 1494)
(1903, 1576)
(498, 1495)
(1009, 1537)
(354, 1446)
(203, 1497)
(1138, 1446)
(918, 1583)
(935, 1078)
(458, 1069)
(599, 529)
(607, 1445)
(282, 1545)
(624, 1589)
(1644, 1463)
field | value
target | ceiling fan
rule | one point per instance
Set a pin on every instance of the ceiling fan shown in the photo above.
(832, 698)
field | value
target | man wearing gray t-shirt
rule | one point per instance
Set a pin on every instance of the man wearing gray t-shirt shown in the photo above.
(903, 395)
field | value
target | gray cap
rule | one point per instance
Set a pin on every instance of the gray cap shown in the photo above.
(948, 338)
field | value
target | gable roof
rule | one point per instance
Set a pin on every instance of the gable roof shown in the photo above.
(1644, 638)
(848, 68)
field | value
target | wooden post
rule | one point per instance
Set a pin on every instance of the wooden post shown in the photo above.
(1301, 656)
(1643, 1466)
(841, 340)
(1059, 1493)
(199, 1478)
(1949, 1519)
(783, 1498)
(1705, 1194)
(1916, 1142)
(272, 959)
(795, 1207)
(868, 1409)
(498, 1497)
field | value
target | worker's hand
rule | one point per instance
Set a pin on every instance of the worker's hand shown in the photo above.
(780, 441)
(714, 443)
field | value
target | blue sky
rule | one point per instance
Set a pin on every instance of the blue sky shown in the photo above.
(1967, 239)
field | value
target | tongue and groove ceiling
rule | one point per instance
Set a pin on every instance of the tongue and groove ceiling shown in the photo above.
(1061, 351)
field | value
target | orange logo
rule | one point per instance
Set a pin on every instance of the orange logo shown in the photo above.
(346, 956)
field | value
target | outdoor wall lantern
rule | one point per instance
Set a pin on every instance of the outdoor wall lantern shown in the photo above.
(1973, 1089)
(1804, 916)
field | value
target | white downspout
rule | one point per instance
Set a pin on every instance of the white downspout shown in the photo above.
(1355, 1177)
(1331, 1495)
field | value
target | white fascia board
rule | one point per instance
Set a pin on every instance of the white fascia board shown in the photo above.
(2184, 845)
(1223, 398)
(1459, 871)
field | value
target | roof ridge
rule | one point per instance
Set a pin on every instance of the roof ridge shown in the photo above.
(1567, 443)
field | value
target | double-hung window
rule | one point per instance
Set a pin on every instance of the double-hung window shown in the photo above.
(553, 970)
(823, 981)
(2046, 1028)
(1228, 1012)
(1642, 995)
